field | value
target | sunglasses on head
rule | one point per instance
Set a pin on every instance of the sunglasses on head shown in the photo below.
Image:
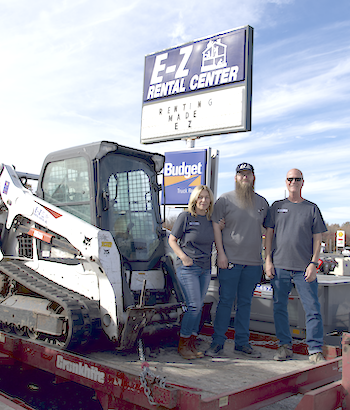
(296, 179)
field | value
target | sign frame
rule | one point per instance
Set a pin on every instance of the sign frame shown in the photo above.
(184, 98)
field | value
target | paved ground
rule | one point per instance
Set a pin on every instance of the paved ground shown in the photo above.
(39, 391)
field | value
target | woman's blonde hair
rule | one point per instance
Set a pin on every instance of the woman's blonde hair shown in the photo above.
(191, 207)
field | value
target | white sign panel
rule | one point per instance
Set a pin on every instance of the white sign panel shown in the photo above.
(201, 114)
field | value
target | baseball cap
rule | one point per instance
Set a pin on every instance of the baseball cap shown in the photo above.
(244, 167)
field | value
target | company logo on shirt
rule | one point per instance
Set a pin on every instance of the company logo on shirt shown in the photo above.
(282, 210)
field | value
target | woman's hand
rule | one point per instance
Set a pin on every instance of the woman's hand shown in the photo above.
(222, 223)
(186, 260)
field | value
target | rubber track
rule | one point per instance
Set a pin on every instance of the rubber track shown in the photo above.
(84, 321)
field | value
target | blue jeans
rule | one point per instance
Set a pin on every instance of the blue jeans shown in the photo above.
(239, 281)
(308, 292)
(194, 281)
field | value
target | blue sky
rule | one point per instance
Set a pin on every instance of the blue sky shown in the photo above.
(71, 72)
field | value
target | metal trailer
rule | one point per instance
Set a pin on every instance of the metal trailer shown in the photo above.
(325, 386)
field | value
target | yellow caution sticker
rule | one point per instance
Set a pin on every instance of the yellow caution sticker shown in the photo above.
(107, 244)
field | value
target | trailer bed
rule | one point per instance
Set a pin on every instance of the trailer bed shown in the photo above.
(211, 376)
(230, 382)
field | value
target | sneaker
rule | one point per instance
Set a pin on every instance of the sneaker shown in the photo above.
(283, 353)
(316, 358)
(248, 351)
(214, 350)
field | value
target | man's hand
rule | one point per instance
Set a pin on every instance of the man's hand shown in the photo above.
(222, 260)
(269, 268)
(310, 273)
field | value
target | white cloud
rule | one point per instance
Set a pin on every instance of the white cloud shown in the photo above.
(338, 215)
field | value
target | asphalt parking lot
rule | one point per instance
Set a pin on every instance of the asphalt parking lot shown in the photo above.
(39, 390)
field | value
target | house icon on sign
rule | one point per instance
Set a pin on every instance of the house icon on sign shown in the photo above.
(214, 56)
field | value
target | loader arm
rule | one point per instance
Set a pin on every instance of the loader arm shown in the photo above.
(94, 248)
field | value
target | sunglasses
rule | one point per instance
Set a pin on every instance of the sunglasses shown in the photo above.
(296, 179)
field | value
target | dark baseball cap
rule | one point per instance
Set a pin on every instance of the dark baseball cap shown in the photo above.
(244, 167)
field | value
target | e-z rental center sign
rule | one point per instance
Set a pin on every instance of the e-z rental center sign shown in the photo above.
(198, 89)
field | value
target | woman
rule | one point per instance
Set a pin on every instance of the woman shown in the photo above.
(191, 239)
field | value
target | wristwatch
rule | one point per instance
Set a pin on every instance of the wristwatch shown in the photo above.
(315, 263)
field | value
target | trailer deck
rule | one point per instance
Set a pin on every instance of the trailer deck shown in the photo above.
(167, 381)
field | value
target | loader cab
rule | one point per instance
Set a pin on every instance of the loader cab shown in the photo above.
(114, 188)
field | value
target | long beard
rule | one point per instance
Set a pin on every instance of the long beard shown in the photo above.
(245, 195)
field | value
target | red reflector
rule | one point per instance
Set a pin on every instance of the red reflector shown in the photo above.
(43, 236)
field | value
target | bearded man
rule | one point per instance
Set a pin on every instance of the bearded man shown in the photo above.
(239, 259)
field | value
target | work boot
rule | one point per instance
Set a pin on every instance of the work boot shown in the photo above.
(185, 349)
(284, 352)
(193, 346)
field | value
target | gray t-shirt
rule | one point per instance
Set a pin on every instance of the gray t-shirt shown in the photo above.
(196, 236)
(243, 228)
(294, 225)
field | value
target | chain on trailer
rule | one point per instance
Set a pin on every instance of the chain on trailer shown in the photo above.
(146, 371)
